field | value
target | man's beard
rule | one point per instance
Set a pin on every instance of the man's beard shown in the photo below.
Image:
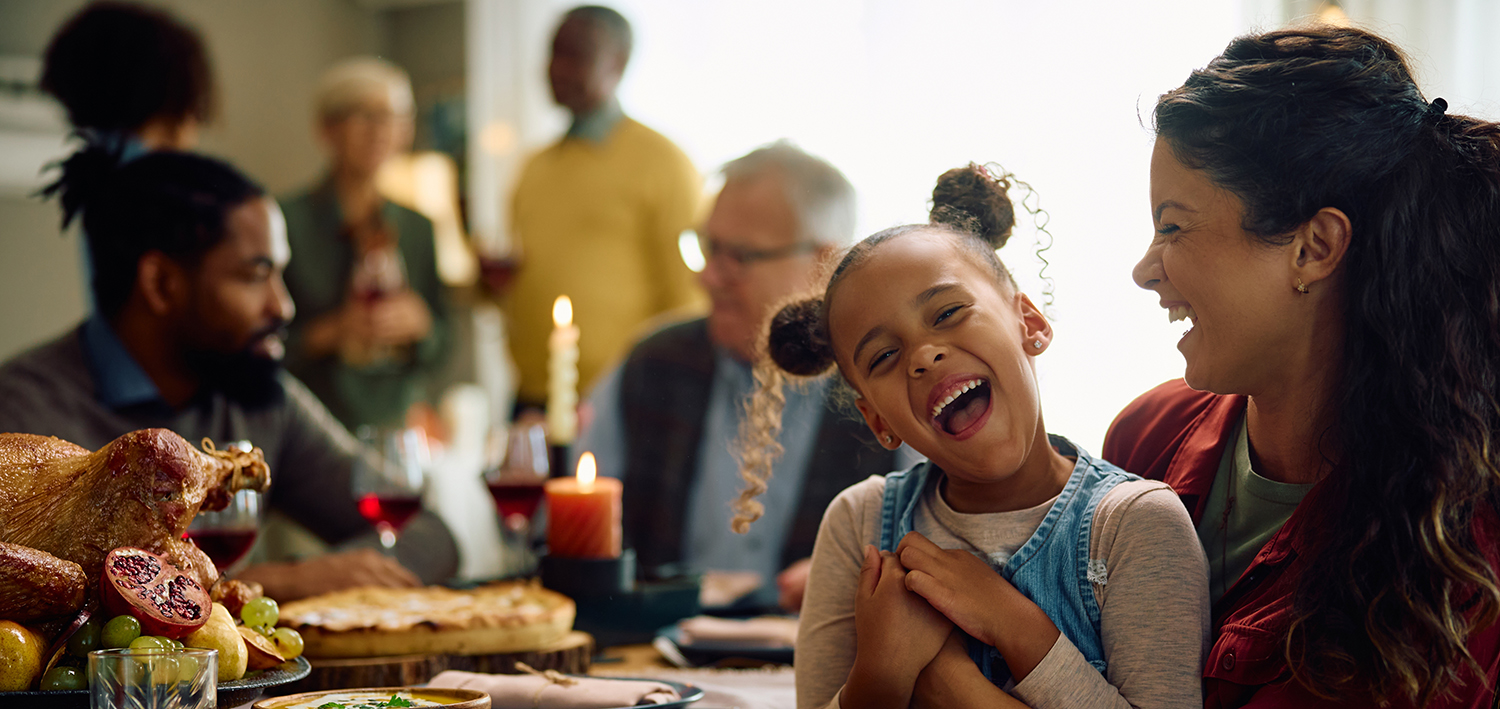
(253, 380)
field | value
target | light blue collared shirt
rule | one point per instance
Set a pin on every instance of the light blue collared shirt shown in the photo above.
(118, 380)
(595, 125)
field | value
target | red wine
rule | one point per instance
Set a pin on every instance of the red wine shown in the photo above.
(516, 499)
(223, 546)
(393, 511)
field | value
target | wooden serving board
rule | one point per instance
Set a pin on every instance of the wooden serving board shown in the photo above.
(571, 654)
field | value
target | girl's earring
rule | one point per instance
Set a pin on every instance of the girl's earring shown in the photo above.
(1036, 344)
(889, 439)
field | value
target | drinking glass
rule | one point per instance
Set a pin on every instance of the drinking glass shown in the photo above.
(516, 484)
(153, 679)
(389, 488)
(377, 273)
(227, 535)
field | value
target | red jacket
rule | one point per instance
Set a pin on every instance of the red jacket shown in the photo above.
(1178, 435)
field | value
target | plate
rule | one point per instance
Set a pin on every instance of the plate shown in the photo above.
(231, 694)
(688, 692)
(707, 653)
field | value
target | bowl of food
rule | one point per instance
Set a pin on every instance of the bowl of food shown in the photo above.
(380, 698)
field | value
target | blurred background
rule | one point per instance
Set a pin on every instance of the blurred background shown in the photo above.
(891, 92)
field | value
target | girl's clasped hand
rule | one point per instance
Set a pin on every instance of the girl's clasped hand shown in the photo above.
(899, 632)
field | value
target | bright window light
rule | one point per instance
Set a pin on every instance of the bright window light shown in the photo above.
(692, 254)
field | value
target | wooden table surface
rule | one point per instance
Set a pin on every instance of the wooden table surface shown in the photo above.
(627, 659)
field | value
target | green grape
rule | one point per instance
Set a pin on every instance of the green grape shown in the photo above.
(187, 669)
(150, 642)
(86, 639)
(62, 678)
(163, 670)
(120, 631)
(288, 642)
(265, 630)
(260, 611)
(176, 644)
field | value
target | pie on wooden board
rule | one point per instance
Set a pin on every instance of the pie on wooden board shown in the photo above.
(376, 622)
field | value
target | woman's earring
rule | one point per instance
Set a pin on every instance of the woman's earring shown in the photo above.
(888, 439)
(1036, 344)
(1301, 287)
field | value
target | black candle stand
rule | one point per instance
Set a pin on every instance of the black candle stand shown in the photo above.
(612, 605)
(582, 579)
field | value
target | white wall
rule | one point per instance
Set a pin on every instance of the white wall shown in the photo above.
(894, 93)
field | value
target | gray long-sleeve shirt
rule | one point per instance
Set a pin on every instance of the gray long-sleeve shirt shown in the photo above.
(1153, 597)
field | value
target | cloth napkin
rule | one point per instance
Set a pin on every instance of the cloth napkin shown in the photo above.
(769, 688)
(535, 691)
(766, 631)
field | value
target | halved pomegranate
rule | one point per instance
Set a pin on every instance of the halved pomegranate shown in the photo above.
(167, 601)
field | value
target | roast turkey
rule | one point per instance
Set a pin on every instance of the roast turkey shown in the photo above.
(63, 508)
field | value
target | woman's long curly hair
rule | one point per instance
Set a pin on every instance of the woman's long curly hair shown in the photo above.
(1293, 121)
(971, 204)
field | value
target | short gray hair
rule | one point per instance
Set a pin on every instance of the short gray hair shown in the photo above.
(818, 193)
(356, 79)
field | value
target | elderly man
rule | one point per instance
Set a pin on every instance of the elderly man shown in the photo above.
(597, 215)
(666, 420)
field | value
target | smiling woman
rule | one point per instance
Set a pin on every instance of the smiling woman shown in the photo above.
(1331, 234)
(1008, 535)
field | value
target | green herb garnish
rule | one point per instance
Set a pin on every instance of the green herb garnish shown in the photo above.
(395, 702)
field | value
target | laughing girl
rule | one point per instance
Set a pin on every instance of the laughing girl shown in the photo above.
(1012, 569)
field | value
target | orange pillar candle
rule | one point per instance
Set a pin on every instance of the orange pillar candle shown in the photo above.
(583, 514)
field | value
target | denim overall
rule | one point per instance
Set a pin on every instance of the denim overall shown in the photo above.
(1052, 568)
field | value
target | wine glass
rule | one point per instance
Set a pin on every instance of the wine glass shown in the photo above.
(378, 272)
(516, 483)
(227, 535)
(389, 487)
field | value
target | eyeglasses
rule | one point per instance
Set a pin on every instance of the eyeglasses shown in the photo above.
(743, 258)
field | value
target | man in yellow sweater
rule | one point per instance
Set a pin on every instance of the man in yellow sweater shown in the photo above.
(597, 214)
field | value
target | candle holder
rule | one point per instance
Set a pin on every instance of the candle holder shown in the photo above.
(584, 579)
(614, 607)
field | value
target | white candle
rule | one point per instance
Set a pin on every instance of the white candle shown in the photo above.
(562, 374)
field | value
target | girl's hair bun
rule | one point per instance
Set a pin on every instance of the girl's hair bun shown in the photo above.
(974, 199)
(796, 341)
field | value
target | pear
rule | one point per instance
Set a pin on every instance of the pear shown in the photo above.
(219, 633)
(20, 656)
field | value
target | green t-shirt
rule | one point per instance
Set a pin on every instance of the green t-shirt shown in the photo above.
(1243, 512)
